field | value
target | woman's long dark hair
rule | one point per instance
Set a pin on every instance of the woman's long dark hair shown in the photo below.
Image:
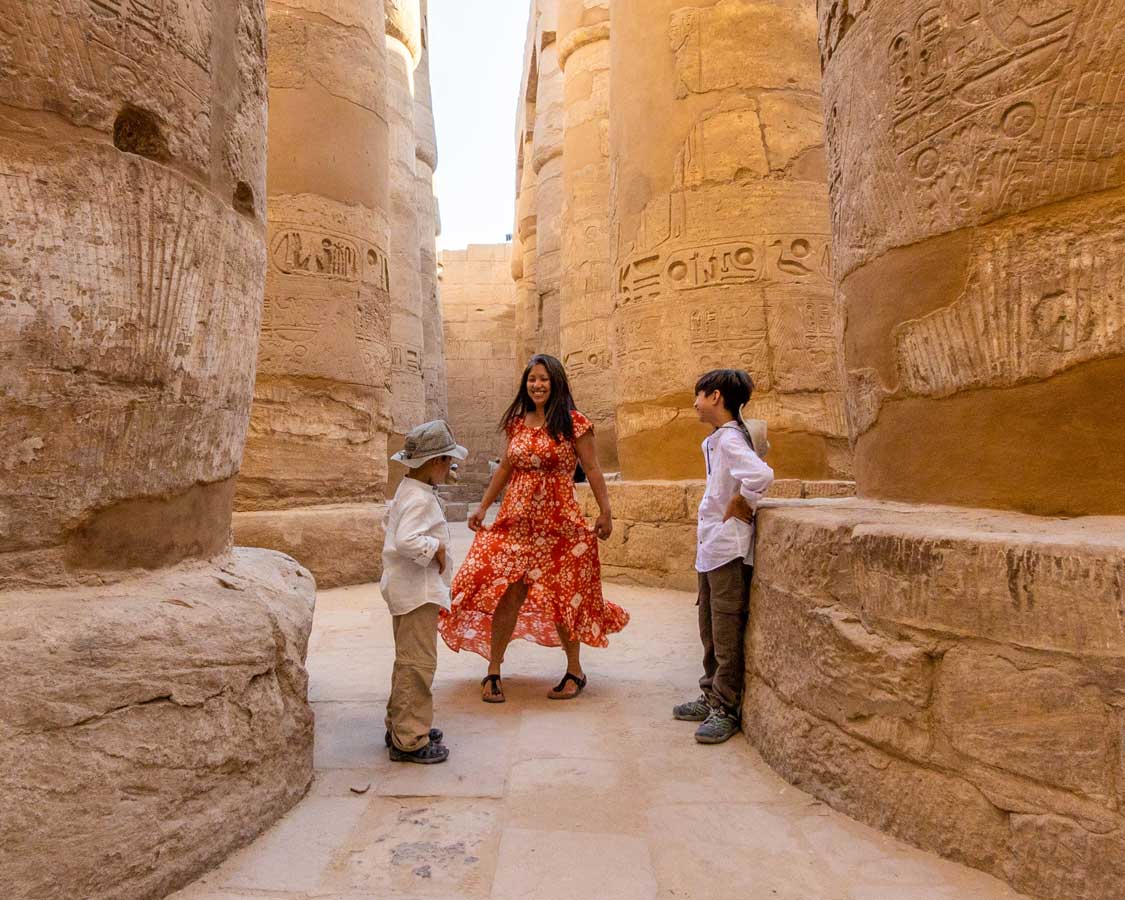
(560, 426)
(735, 387)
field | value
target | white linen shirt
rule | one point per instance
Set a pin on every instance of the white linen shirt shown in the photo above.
(416, 527)
(731, 467)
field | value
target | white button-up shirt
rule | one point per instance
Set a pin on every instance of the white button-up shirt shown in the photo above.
(416, 527)
(732, 466)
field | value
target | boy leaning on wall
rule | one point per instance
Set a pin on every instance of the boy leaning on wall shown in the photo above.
(737, 478)
(415, 585)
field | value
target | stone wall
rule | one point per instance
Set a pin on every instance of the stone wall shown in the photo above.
(315, 468)
(977, 192)
(479, 309)
(154, 712)
(955, 677)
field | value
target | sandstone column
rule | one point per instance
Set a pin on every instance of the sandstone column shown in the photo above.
(408, 393)
(315, 461)
(720, 229)
(547, 167)
(976, 162)
(425, 163)
(527, 303)
(586, 293)
(153, 676)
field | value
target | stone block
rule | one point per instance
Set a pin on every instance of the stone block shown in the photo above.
(922, 806)
(1040, 583)
(340, 544)
(1053, 856)
(824, 660)
(813, 490)
(150, 727)
(1042, 719)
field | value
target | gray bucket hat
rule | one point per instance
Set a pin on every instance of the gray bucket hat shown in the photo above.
(428, 441)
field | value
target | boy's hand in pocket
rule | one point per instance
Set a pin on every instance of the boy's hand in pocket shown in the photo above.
(739, 508)
(439, 557)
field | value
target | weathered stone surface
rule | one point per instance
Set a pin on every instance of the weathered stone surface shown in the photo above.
(844, 672)
(318, 431)
(721, 251)
(113, 250)
(977, 655)
(923, 806)
(1043, 720)
(150, 727)
(975, 169)
(341, 544)
(1054, 857)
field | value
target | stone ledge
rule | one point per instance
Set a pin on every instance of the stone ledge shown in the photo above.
(900, 656)
(653, 543)
(151, 727)
(340, 544)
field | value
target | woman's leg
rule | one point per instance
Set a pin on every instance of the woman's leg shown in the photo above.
(573, 650)
(504, 623)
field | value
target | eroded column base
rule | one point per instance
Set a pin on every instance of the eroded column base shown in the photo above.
(340, 544)
(955, 677)
(151, 727)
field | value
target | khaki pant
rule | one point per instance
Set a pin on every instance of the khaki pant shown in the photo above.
(410, 709)
(724, 610)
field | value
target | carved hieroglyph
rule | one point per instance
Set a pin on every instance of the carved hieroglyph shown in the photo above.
(148, 669)
(976, 171)
(586, 282)
(720, 230)
(320, 419)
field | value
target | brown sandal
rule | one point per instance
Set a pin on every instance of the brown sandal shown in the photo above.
(557, 690)
(494, 691)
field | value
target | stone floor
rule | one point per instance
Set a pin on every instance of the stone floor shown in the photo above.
(601, 798)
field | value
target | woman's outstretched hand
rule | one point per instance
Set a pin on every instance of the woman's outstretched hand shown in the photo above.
(476, 520)
(603, 527)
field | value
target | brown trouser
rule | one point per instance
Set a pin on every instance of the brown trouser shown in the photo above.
(724, 609)
(410, 709)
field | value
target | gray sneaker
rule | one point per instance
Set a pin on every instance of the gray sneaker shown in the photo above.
(692, 711)
(719, 727)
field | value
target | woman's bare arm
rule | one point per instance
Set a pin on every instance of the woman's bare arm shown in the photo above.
(496, 484)
(588, 456)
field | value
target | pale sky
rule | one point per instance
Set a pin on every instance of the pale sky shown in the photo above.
(476, 60)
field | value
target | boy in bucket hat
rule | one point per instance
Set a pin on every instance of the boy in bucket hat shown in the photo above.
(415, 584)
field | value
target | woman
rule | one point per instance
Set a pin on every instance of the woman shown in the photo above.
(535, 572)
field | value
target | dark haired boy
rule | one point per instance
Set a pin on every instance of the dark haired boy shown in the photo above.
(736, 480)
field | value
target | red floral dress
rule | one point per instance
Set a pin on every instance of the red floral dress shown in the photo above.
(539, 537)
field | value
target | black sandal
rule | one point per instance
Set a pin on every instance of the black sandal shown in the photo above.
(496, 690)
(557, 690)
